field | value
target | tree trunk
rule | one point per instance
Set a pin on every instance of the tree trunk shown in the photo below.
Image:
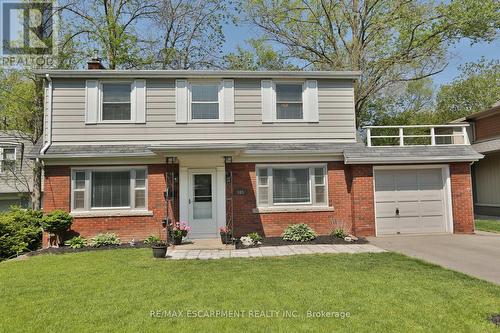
(36, 193)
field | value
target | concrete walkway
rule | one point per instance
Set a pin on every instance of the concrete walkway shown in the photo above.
(477, 255)
(271, 251)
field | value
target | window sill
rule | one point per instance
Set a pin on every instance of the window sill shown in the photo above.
(291, 209)
(111, 213)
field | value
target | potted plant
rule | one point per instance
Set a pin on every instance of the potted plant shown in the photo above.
(177, 231)
(159, 247)
(226, 235)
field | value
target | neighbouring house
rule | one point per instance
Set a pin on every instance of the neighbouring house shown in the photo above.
(16, 177)
(485, 139)
(125, 150)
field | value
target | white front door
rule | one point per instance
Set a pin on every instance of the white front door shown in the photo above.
(202, 203)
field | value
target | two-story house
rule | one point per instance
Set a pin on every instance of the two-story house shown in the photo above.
(16, 177)
(258, 151)
(485, 139)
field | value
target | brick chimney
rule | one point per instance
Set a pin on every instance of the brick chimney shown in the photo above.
(95, 63)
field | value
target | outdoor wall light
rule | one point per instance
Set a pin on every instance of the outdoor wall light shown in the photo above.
(228, 159)
(172, 160)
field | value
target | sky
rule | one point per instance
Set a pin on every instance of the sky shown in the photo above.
(462, 53)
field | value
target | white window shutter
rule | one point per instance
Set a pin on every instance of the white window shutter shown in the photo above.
(227, 100)
(91, 101)
(181, 101)
(139, 101)
(268, 101)
(310, 100)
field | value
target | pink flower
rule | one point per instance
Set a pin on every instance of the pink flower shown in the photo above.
(224, 230)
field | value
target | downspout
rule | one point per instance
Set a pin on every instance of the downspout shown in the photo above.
(49, 116)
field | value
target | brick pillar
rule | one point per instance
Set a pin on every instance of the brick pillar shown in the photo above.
(461, 197)
(362, 193)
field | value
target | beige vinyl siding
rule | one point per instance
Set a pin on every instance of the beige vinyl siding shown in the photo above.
(487, 180)
(10, 183)
(336, 116)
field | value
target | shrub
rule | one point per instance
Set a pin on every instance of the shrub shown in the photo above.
(104, 240)
(57, 221)
(340, 233)
(153, 241)
(76, 242)
(255, 237)
(251, 239)
(20, 231)
(299, 233)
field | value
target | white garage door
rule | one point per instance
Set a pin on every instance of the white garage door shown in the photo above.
(410, 201)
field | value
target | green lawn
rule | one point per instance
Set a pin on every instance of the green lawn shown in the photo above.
(488, 225)
(115, 291)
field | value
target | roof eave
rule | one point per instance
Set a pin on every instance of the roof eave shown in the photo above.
(352, 75)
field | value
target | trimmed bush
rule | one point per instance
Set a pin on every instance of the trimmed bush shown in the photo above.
(20, 231)
(299, 233)
(105, 240)
(57, 222)
(76, 242)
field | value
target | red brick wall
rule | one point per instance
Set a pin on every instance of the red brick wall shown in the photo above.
(273, 224)
(350, 192)
(488, 127)
(461, 197)
(57, 196)
(362, 193)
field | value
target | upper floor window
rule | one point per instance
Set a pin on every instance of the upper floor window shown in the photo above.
(7, 159)
(204, 101)
(116, 101)
(289, 101)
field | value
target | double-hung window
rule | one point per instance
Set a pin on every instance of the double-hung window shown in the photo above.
(94, 189)
(205, 101)
(7, 159)
(279, 185)
(289, 101)
(116, 104)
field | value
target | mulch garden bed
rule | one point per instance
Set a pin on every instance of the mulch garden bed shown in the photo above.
(67, 249)
(278, 241)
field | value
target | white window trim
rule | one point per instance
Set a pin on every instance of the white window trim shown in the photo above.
(101, 102)
(275, 106)
(219, 101)
(312, 185)
(88, 188)
(2, 159)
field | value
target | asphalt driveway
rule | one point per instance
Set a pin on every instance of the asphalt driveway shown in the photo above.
(477, 255)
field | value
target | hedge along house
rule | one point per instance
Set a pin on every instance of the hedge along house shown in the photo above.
(123, 150)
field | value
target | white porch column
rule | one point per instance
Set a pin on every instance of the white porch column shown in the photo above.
(221, 196)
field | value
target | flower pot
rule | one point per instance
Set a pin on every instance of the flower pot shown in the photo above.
(159, 251)
(178, 240)
(226, 238)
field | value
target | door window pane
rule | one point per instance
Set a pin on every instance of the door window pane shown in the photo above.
(116, 101)
(289, 101)
(291, 185)
(110, 189)
(202, 205)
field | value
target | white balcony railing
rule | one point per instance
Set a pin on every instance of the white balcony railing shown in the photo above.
(417, 135)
